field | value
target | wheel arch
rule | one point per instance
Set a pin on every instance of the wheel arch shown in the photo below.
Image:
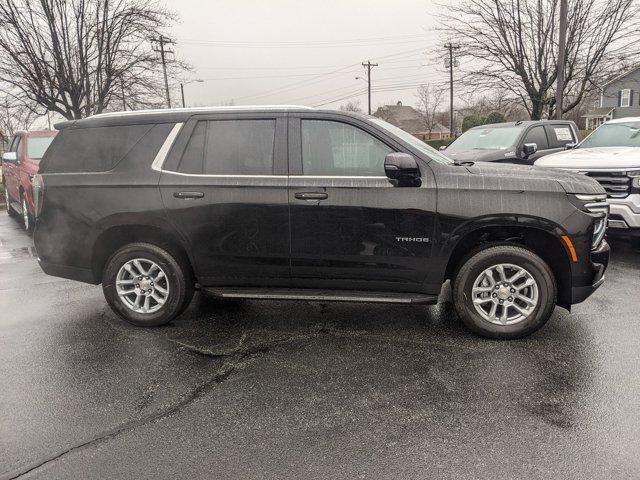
(544, 243)
(117, 236)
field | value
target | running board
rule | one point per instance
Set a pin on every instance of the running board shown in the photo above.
(320, 295)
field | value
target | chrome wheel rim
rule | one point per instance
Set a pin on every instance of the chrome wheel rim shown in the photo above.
(25, 214)
(142, 285)
(6, 198)
(505, 294)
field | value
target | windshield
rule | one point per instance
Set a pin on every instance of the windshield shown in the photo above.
(36, 146)
(429, 151)
(486, 138)
(614, 135)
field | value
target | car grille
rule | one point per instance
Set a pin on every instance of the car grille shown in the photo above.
(616, 184)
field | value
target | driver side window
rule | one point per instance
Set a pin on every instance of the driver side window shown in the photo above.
(331, 148)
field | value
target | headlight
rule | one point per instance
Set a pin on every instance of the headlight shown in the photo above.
(599, 229)
(597, 207)
(635, 178)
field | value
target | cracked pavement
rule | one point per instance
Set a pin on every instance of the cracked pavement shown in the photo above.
(254, 389)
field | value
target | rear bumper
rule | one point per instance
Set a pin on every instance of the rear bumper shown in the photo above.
(599, 262)
(65, 271)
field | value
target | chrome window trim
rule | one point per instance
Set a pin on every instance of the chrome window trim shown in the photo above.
(350, 177)
(220, 175)
(161, 156)
(269, 176)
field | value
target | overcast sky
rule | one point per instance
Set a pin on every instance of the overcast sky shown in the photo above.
(305, 52)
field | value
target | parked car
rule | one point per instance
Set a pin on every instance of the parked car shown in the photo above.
(19, 165)
(610, 155)
(298, 203)
(514, 142)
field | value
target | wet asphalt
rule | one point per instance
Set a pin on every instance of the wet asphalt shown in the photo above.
(252, 389)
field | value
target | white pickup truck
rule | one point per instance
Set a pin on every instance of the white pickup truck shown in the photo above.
(610, 155)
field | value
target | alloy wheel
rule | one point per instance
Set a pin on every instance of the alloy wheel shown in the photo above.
(25, 214)
(6, 199)
(505, 294)
(142, 285)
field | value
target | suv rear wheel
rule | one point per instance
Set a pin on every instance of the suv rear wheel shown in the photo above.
(146, 285)
(504, 292)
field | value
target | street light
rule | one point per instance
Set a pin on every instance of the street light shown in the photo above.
(198, 80)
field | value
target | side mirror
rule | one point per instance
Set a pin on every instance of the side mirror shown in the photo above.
(9, 157)
(442, 147)
(529, 149)
(402, 169)
(570, 146)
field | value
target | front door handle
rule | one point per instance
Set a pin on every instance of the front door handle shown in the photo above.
(186, 195)
(311, 196)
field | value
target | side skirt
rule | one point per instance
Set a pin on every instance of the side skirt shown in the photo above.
(320, 295)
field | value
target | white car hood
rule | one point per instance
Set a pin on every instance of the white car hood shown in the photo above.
(600, 158)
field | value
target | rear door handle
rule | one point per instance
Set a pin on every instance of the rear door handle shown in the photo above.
(186, 195)
(311, 196)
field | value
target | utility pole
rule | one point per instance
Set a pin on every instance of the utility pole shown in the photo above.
(451, 63)
(165, 41)
(368, 65)
(562, 47)
(182, 94)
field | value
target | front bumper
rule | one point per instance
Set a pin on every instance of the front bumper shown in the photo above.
(624, 213)
(599, 261)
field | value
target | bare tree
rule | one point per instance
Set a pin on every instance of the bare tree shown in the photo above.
(351, 107)
(512, 46)
(429, 101)
(14, 115)
(79, 57)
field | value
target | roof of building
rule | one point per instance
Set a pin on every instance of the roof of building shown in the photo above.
(403, 116)
(622, 75)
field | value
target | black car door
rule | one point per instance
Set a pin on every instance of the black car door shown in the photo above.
(350, 227)
(537, 135)
(224, 187)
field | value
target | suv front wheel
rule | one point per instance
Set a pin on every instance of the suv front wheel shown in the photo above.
(146, 285)
(504, 291)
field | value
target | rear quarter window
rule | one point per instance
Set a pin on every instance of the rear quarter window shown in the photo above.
(96, 149)
(560, 135)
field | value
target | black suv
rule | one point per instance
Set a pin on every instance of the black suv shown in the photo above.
(297, 203)
(520, 142)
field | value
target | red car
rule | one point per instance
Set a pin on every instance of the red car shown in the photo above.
(19, 165)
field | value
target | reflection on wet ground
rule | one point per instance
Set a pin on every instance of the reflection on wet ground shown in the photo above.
(251, 389)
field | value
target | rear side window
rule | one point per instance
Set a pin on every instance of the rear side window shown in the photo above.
(538, 136)
(230, 147)
(560, 135)
(92, 149)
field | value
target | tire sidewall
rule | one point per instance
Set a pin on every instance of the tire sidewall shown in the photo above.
(521, 257)
(175, 277)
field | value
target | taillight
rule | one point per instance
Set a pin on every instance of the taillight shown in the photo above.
(38, 193)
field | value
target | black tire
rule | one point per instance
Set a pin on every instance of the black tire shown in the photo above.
(10, 211)
(178, 276)
(504, 254)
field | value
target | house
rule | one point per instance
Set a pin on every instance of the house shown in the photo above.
(411, 121)
(619, 98)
